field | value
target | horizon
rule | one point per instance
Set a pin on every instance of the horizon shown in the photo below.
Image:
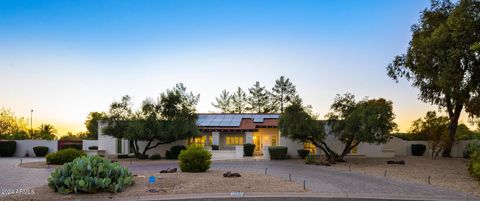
(65, 59)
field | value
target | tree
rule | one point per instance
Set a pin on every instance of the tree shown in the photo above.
(368, 120)
(300, 124)
(172, 117)
(92, 124)
(46, 132)
(259, 99)
(442, 61)
(12, 127)
(283, 93)
(239, 101)
(224, 102)
(435, 128)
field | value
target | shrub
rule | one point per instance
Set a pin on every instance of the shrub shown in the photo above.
(141, 156)
(470, 148)
(90, 174)
(303, 153)
(474, 164)
(40, 151)
(120, 156)
(93, 148)
(309, 159)
(155, 157)
(418, 149)
(174, 151)
(277, 152)
(7, 148)
(64, 156)
(72, 146)
(248, 149)
(215, 147)
(194, 159)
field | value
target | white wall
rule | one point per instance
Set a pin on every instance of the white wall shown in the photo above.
(293, 146)
(161, 149)
(88, 143)
(27, 145)
(105, 142)
(404, 148)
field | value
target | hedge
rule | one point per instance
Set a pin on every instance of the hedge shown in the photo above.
(303, 153)
(277, 152)
(215, 147)
(418, 149)
(248, 149)
(73, 146)
(64, 156)
(93, 148)
(7, 148)
(174, 151)
(40, 151)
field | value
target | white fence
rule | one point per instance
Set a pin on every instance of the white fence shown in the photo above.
(404, 147)
(24, 146)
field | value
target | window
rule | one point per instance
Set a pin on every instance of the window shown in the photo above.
(234, 140)
(200, 140)
(309, 146)
(274, 140)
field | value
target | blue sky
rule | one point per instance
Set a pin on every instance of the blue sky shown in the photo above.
(67, 58)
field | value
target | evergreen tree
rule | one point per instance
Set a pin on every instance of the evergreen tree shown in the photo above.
(224, 102)
(259, 99)
(239, 101)
(282, 93)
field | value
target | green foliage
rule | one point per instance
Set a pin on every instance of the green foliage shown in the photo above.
(277, 152)
(155, 157)
(354, 122)
(418, 149)
(303, 153)
(309, 159)
(474, 164)
(248, 149)
(12, 127)
(141, 156)
(239, 101)
(471, 147)
(224, 102)
(93, 148)
(435, 128)
(259, 99)
(411, 136)
(92, 123)
(72, 146)
(174, 151)
(167, 120)
(215, 147)
(90, 174)
(283, 93)
(194, 159)
(64, 156)
(122, 156)
(7, 148)
(40, 151)
(442, 60)
(45, 132)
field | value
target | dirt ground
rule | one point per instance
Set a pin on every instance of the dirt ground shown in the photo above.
(450, 173)
(179, 183)
(133, 161)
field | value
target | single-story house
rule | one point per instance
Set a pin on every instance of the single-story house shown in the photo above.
(231, 131)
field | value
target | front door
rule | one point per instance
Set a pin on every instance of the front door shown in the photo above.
(257, 142)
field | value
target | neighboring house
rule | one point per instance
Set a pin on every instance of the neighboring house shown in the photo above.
(231, 131)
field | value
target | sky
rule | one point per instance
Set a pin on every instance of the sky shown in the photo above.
(64, 59)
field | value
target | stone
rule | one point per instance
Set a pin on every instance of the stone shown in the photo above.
(230, 174)
(400, 162)
(168, 170)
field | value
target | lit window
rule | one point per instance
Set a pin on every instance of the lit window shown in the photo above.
(309, 146)
(234, 140)
(274, 140)
(200, 140)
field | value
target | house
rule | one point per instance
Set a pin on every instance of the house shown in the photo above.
(231, 131)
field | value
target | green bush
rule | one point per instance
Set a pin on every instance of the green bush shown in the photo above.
(418, 149)
(90, 174)
(7, 148)
(472, 146)
(155, 157)
(174, 151)
(248, 149)
(64, 156)
(215, 147)
(93, 148)
(40, 151)
(141, 156)
(120, 156)
(194, 159)
(72, 146)
(277, 152)
(474, 164)
(303, 153)
(309, 159)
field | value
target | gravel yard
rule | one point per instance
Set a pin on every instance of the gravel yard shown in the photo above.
(180, 183)
(450, 173)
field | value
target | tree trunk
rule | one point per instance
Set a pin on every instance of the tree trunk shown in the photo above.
(452, 130)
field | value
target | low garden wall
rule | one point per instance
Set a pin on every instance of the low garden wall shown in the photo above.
(24, 146)
(89, 143)
(404, 147)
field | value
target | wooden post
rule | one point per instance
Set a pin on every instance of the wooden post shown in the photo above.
(289, 176)
(304, 188)
(385, 174)
(266, 171)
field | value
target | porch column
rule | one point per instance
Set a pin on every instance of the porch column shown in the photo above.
(249, 137)
(216, 138)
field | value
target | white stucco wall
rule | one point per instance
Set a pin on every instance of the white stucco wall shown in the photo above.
(161, 149)
(293, 146)
(27, 145)
(88, 143)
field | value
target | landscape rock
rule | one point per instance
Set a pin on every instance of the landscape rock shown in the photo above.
(400, 162)
(230, 174)
(169, 170)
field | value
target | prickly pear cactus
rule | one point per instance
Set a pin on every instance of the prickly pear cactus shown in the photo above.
(90, 174)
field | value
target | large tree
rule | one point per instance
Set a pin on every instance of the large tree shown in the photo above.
(282, 93)
(11, 126)
(442, 62)
(239, 101)
(435, 129)
(224, 102)
(259, 100)
(92, 124)
(46, 132)
(172, 117)
(353, 122)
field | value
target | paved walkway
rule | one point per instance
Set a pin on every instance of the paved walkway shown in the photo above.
(317, 179)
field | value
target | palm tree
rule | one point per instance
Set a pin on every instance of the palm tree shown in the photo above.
(47, 132)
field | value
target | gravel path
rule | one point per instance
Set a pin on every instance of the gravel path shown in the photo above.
(317, 178)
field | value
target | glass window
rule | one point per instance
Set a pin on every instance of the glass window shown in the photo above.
(274, 140)
(200, 140)
(234, 140)
(309, 146)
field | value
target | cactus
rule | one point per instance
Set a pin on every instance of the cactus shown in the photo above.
(90, 174)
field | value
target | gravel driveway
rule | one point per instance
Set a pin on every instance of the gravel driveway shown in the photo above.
(317, 179)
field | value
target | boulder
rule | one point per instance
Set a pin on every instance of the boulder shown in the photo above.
(230, 174)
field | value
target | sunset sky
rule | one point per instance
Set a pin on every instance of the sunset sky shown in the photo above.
(64, 59)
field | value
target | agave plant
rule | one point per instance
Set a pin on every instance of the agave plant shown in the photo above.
(90, 174)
